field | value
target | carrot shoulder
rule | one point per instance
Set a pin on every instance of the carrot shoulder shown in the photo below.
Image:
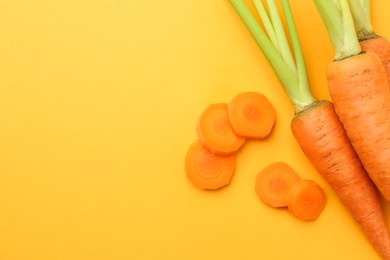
(274, 182)
(251, 115)
(207, 170)
(215, 131)
(369, 40)
(306, 200)
(381, 47)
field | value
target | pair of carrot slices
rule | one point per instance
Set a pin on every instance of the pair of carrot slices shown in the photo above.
(279, 186)
(222, 130)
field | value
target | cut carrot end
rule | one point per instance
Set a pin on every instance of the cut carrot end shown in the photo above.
(215, 131)
(207, 170)
(306, 200)
(251, 115)
(274, 182)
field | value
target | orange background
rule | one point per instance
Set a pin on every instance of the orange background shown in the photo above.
(98, 105)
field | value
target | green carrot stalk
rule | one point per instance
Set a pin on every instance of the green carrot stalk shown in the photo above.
(336, 15)
(292, 73)
(361, 12)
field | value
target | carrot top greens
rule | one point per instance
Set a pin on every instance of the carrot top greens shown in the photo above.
(361, 12)
(337, 17)
(274, 44)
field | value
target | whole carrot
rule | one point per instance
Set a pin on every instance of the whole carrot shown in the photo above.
(317, 127)
(358, 86)
(369, 40)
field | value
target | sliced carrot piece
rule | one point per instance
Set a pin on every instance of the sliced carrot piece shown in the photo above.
(215, 131)
(306, 200)
(251, 115)
(207, 170)
(274, 182)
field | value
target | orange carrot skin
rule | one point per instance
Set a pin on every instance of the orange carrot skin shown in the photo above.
(359, 89)
(381, 47)
(322, 137)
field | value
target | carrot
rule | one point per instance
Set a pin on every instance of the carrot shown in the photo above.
(369, 40)
(215, 131)
(207, 170)
(306, 200)
(317, 128)
(274, 182)
(358, 86)
(251, 115)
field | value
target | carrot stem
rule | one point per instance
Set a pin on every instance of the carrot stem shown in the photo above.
(281, 35)
(367, 6)
(362, 19)
(338, 21)
(331, 20)
(299, 93)
(303, 78)
(267, 22)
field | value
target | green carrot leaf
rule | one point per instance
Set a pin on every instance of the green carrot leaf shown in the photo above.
(294, 82)
(266, 22)
(362, 19)
(337, 17)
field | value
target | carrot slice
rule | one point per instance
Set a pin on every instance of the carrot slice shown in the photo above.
(207, 170)
(251, 115)
(274, 182)
(306, 200)
(215, 131)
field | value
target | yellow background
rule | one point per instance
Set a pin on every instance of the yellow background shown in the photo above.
(98, 105)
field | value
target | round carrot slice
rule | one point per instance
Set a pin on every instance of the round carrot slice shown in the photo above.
(207, 170)
(306, 200)
(274, 182)
(215, 131)
(251, 115)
